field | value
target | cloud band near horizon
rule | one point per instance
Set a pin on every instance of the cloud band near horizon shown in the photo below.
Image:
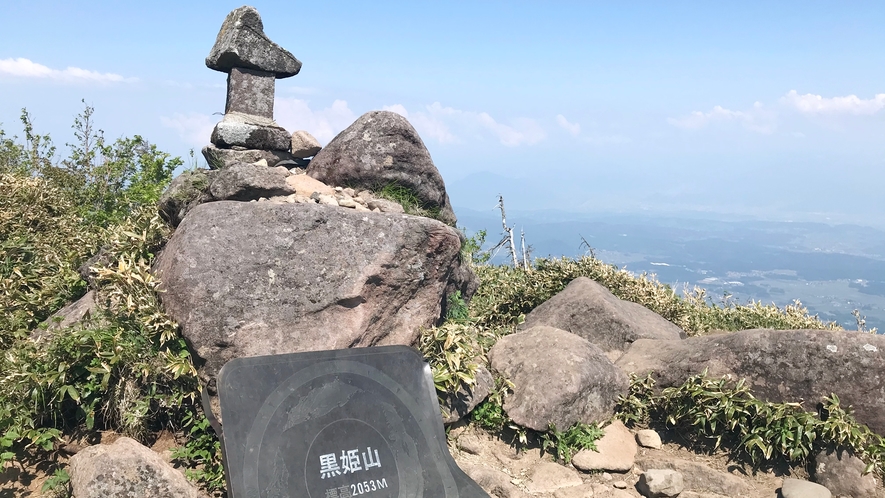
(25, 68)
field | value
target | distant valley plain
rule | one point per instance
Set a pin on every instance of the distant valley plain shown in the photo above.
(831, 269)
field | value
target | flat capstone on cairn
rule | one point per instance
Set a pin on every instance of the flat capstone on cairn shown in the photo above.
(253, 63)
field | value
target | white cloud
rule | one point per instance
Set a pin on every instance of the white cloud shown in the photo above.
(852, 104)
(24, 68)
(194, 128)
(573, 128)
(397, 108)
(757, 119)
(436, 122)
(324, 124)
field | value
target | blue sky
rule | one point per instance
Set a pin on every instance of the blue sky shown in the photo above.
(737, 108)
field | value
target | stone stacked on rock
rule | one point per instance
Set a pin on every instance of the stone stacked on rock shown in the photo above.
(381, 150)
(253, 63)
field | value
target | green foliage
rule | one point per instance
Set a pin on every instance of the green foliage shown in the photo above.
(490, 416)
(453, 352)
(722, 413)
(507, 294)
(563, 445)
(471, 249)
(202, 452)
(125, 369)
(57, 485)
(42, 243)
(407, 198)
(456, 308)
(54, 217)
(107, 180)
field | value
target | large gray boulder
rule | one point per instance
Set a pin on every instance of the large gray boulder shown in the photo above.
(379, 149)
(558, 378)
(779, 365)
(241, 42)
(248, 279)
(126, 468)
(588, 309)
(841, 472)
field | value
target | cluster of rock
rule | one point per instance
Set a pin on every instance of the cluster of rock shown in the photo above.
(276, 254)
(253, 63)
(637, 464)
(257, 182)
(569, 361)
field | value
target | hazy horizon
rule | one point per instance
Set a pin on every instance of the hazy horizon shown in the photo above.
(751, 110)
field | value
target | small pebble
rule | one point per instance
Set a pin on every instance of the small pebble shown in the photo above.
(620, 484)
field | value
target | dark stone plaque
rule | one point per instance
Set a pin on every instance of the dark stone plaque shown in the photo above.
(336, 424)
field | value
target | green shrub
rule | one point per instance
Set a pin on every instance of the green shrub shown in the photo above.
(507, 294)
(722, 413)
(124, 369)
(42, 243)
(563, 445)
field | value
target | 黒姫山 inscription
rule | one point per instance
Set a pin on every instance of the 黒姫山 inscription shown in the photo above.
(336, 424)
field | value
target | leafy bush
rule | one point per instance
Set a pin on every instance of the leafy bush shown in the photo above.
(507, 294)
(125, 369)
(42, 243)
(723, 413)
(563, 445)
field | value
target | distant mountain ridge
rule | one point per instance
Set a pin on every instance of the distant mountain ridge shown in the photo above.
(832, 269)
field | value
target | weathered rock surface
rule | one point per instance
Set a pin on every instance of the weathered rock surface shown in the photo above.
(244, 182)
(547, 477)
(648, 438)
(379, 149)
(696, 476)
(186, 191)
(558, 378)
(456, 406)
(780, 365)
(493, 481)
(797, 488)
(842, 474)
(220, 158)
(251, 132)
(72, 314)
(241, 42)
(304, 144)
(126, 468)
(588, 309)
(616, 451)
(239, 181)
(250, 92)
(246, 279)
(660, 483)
(306, 186)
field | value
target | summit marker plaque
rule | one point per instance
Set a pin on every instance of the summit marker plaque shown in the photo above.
(336, 424)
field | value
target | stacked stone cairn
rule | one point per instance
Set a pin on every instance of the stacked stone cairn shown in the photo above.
(253, 63)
